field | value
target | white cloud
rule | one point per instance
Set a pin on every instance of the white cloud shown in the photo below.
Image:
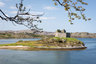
(47, 18)
(12, 7)
(2, 4)
(13, 12)
(31, 12)
(36, 13)
(50, 8)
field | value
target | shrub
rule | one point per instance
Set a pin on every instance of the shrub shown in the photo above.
(20, 41)
(58, 30)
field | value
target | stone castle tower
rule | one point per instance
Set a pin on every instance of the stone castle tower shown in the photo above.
(62, 33)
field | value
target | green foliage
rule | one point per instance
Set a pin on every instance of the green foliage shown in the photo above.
(67, 39)
(70, 6)
(20, 35)
(58, 30)
(9, 35)
(20, 41)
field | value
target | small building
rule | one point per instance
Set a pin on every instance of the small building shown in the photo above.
(62, 33)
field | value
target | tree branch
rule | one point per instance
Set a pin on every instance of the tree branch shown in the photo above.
(19, 17)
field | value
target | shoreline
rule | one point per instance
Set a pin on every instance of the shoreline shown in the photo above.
(27, 48)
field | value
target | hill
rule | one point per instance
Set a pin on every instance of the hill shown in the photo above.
(29, 34)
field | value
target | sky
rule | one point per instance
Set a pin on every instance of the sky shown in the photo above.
(54, 16)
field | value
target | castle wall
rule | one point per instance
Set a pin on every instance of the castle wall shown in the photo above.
(60, 35)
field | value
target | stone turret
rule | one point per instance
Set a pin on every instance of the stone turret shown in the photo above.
(62, 33)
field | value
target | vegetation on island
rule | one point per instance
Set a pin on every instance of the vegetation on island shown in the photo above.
(53, 42)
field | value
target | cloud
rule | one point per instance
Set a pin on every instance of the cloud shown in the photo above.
(12, 7)
(31, 12)
(50, 8)
(13, 12)
(2, 4)
(36, 13)
(47, 18)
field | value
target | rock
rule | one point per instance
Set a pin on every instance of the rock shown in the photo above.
(63, 40)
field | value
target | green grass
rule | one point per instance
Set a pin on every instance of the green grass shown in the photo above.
(49, 42)
(20, 43)
(67, 39)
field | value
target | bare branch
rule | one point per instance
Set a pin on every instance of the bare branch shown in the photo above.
(21, 19)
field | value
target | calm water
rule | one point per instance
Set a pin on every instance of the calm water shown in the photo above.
(87, 56)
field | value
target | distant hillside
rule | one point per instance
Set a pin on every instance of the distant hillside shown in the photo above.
(28, 31)
(23, 34)
(29, 34)
(83, 35)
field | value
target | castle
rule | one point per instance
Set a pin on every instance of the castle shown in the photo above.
(62, 33)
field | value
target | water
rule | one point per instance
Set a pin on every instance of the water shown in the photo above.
(87, 56)
(8, 41)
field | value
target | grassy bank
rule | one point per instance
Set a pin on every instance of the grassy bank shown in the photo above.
(49, 43)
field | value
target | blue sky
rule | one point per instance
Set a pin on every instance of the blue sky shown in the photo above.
(54, 18)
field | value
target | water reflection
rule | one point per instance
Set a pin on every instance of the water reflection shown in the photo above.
(34, 57)
(62, 57)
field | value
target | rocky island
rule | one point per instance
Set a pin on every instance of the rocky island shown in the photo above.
(58, 42)
(54, 43)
